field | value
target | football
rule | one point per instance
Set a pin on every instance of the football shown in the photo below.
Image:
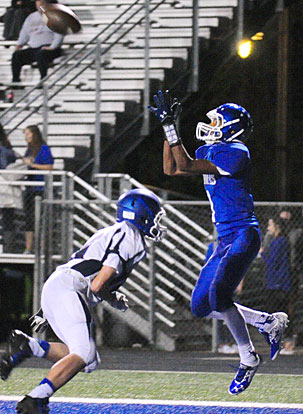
(59, 18)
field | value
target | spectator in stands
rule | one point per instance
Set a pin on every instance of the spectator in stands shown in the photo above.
(38, 156)
(44, 44)
(7, 156)
(278, 270)
(14, 17)
(295, 236)
(277, 259)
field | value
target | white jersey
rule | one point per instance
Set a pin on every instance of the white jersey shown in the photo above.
(120, 246)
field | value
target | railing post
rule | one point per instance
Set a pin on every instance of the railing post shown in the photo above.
(45, 111)
(49, 193)
(70, 221)
(145, 126)
(64, 219)
(38, 273)
(97, 141)
(152, 297)
(216, 325)
(195, 48)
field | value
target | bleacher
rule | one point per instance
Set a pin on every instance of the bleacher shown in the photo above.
(71, 115)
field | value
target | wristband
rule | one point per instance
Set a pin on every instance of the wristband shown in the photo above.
(172, 135)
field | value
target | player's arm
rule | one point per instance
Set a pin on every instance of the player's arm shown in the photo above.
(177, 161)
(100, 287)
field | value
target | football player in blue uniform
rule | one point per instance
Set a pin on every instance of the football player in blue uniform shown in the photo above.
(92, 275)
(224, 162)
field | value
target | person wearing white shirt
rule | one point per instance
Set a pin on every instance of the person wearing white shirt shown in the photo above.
(44, 45)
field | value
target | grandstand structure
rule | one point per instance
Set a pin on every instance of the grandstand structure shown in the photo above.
(94, 101)
(71, 114)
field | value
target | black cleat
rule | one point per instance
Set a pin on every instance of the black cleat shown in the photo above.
(17, 350)
(30, 405)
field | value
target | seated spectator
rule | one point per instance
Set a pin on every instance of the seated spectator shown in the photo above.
(43, 44)
(38, 156)
(14, 17)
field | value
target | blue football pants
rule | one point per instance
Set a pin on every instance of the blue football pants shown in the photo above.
(224, 270)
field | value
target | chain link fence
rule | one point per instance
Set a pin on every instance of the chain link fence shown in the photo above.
(159, 289)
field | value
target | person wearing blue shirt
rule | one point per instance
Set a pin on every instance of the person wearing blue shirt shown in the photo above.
(225, 165)
(37, 156)
(278, 268)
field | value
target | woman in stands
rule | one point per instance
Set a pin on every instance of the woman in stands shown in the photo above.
(37, 156)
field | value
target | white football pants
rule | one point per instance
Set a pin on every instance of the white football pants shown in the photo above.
(70, 316)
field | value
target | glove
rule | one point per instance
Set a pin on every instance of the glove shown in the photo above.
(167, 110)
(38, 323)
(119, 301)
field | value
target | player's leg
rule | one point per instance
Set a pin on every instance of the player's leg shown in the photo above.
(71, 319)
(200, 305)
(271, 325)
(19, 347)
(239, 251)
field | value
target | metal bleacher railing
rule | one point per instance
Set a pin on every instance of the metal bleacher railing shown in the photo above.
(160, 287)
(126, 24)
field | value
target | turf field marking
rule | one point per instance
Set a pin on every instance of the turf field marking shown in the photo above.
(161, 402)
(194, 372)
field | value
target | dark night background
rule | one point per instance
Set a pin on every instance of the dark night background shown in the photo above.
(252, 83)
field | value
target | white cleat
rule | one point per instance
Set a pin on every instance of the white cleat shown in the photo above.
(275, 334)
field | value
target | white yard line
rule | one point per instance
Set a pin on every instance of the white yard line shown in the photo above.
(161, 402)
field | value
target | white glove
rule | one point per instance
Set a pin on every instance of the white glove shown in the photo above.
(38, 323)
(119, 301)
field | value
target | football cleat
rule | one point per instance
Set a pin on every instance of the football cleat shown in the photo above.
(18, 350)
(275, 334)
(30, 405)
(244, 377)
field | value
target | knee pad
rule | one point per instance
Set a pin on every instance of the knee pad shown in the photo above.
(87, 353)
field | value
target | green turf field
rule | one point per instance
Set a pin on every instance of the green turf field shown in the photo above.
(157, 385)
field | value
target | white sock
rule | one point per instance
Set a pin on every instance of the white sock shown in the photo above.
(235, 322)
(43, 390)
(256, 318)
(215, 315)
(247, 355)
(38, 347)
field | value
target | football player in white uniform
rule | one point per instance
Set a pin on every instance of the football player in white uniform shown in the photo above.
(92, 275)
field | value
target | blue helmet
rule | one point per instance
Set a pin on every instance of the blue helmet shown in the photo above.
(229, 122)
(142, 208)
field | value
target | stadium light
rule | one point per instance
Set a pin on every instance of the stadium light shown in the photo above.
(245, 48)
(257, 36)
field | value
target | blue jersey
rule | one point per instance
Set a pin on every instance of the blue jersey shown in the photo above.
(43, 157)
(229, 191)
